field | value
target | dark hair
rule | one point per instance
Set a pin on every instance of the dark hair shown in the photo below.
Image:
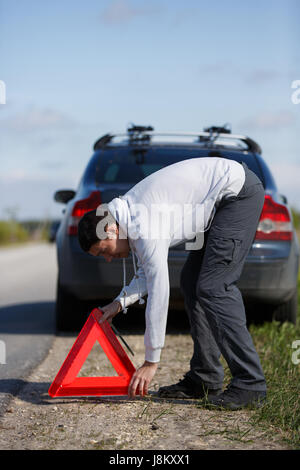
(87, 234)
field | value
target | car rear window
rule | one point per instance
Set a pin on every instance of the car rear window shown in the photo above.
(130, 165)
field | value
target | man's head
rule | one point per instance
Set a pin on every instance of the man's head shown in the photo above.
(110, 246)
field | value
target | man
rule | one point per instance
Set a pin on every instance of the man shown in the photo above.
(224, 199)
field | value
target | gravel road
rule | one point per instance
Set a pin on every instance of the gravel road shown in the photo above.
(36, 421)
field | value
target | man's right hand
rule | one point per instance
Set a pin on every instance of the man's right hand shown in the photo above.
(110, 311)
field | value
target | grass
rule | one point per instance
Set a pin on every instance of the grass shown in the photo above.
(281, 412)
(232, 433)
(14, 233)
(274, 344)
(282, 409)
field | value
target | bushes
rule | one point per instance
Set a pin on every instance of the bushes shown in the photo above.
(12, 232)
(296, 218)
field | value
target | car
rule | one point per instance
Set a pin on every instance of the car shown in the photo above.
(52, 230)
(269, 278)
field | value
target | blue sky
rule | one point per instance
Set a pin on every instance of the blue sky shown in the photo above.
(75, 70)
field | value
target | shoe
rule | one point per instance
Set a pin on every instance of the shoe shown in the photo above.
(234, 398)
(186, 388)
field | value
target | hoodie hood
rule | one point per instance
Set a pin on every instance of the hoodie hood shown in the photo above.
(119, 209)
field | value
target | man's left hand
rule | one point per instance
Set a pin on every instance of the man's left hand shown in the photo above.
(110, 311)
(141, 379)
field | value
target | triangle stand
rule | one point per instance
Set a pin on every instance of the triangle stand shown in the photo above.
(67, 384)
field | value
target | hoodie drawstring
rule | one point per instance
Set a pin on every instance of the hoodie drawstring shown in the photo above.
(141, 300)
(124, 310)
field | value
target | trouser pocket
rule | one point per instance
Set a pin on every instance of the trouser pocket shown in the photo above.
(224, 251)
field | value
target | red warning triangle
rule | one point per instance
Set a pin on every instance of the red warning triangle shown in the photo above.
(66, 383)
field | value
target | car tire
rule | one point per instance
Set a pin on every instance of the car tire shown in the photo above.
(287, 312)
(69, 311)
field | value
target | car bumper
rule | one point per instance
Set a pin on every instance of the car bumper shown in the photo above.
(264, 278)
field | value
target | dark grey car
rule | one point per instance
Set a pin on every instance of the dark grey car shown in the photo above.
(269, 277)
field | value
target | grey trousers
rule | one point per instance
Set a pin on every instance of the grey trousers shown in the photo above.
(212, 299)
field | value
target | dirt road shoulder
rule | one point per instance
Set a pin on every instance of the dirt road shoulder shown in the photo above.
(36, 421)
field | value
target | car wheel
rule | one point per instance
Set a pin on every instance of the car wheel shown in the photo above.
(69, 311)
(287, 312)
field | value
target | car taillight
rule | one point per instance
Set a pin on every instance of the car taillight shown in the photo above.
(275, 222)
(80, 208)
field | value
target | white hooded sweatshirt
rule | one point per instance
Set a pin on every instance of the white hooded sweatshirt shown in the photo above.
(186, 195)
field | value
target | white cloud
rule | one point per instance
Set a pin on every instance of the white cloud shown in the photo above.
(35, 119)
(121, 11)
(268, 120)
(260, 76)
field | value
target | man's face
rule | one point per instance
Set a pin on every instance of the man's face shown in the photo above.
(112, 247)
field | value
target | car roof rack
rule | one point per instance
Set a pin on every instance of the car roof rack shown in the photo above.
(103, 141)
(212, 137)
(139, 134)
(218, 130)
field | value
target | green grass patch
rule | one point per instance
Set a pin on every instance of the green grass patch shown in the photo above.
(274, 342)
(12, 232)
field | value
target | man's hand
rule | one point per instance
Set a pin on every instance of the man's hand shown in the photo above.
(110, 311)
(141, 379)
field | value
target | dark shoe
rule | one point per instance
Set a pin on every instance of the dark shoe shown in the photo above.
(234, 398)
(186, 388)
